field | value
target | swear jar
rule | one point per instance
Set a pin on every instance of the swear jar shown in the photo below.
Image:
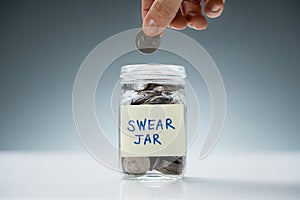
(152, 129)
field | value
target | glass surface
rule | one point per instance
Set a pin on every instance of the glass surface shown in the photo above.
(152, 84)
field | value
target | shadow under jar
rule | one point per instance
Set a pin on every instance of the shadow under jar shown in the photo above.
(152, 131)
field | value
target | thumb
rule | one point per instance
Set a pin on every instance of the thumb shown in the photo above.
(160, 15)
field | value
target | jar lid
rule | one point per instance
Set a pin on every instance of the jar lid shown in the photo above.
(152, 71)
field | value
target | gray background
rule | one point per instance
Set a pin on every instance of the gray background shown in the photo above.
(255, 44)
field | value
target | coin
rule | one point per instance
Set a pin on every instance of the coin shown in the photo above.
(170, 165)
(136, 165)
(147, 44)
(151, 86)
(139, 101)
(153, 162)
(139, 86)
(159, 88)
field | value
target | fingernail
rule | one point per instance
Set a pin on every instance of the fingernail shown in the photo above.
(192, 26)
(196, 27)
(215, 7)
(151, 27)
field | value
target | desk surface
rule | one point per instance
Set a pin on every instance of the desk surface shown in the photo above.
(44, 175)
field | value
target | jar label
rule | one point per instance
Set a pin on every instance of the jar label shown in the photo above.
(152, 130)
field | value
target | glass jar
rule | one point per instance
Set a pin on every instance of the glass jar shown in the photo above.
(152, 131)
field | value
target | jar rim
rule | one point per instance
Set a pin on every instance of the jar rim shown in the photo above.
(152, 70)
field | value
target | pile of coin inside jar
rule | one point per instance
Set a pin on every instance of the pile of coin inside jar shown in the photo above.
(141, 165)
(154, 94)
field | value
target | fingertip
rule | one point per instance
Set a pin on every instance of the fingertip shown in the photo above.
(214, 9)
(213, 14)
(196, 21)
(198, 27)
(179, 22)
(151, 27)
(178, 27)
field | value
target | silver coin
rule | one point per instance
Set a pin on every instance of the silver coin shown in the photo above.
(167, 93)
(166, 170)
(174, 159)
(138, 165)
(159, 100)
(148, 93)
(169, 171)
(150, 86)
(171, 165)
(154, 162)
(159, 88)
(139, 86)
(147, 44)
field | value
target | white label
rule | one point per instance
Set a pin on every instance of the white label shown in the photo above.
(152, 130)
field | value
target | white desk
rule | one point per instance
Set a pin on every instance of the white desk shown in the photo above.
(44, 175)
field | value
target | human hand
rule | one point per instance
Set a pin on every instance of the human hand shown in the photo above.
(177, 14)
